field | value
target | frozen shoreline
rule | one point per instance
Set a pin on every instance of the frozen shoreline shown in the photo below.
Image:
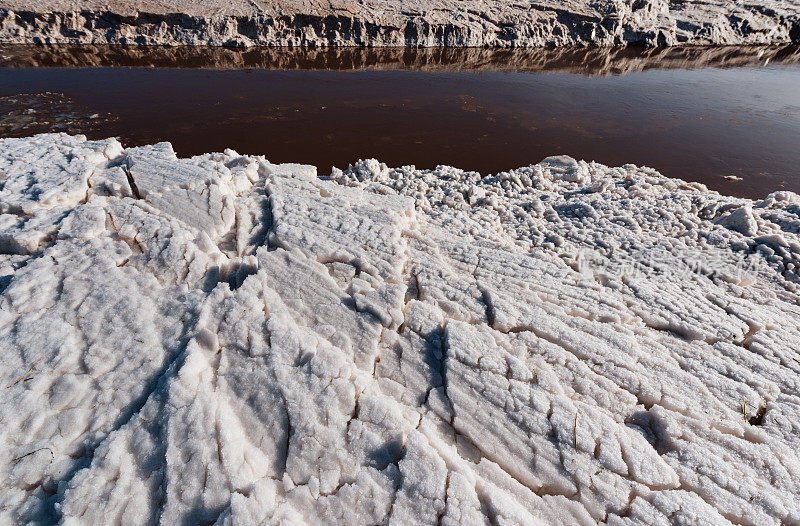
(492, 23)
(224, 339)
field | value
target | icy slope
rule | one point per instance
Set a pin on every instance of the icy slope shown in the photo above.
(224, 339)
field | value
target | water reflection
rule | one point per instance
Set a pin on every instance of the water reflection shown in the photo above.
(589, 61)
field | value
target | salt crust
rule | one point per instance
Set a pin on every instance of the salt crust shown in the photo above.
(222, 339)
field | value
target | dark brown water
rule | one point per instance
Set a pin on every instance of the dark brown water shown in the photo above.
(697, 114)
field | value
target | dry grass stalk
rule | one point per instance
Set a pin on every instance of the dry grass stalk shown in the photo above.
(27, 372)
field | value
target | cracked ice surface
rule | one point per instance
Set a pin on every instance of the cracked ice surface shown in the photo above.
(221, 339)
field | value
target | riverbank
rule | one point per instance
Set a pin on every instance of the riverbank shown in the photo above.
(225, 339)
(492, 23)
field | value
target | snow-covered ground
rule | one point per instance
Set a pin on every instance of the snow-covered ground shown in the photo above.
(224, 339)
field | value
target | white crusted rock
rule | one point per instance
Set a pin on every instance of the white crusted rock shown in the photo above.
(741, 220)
